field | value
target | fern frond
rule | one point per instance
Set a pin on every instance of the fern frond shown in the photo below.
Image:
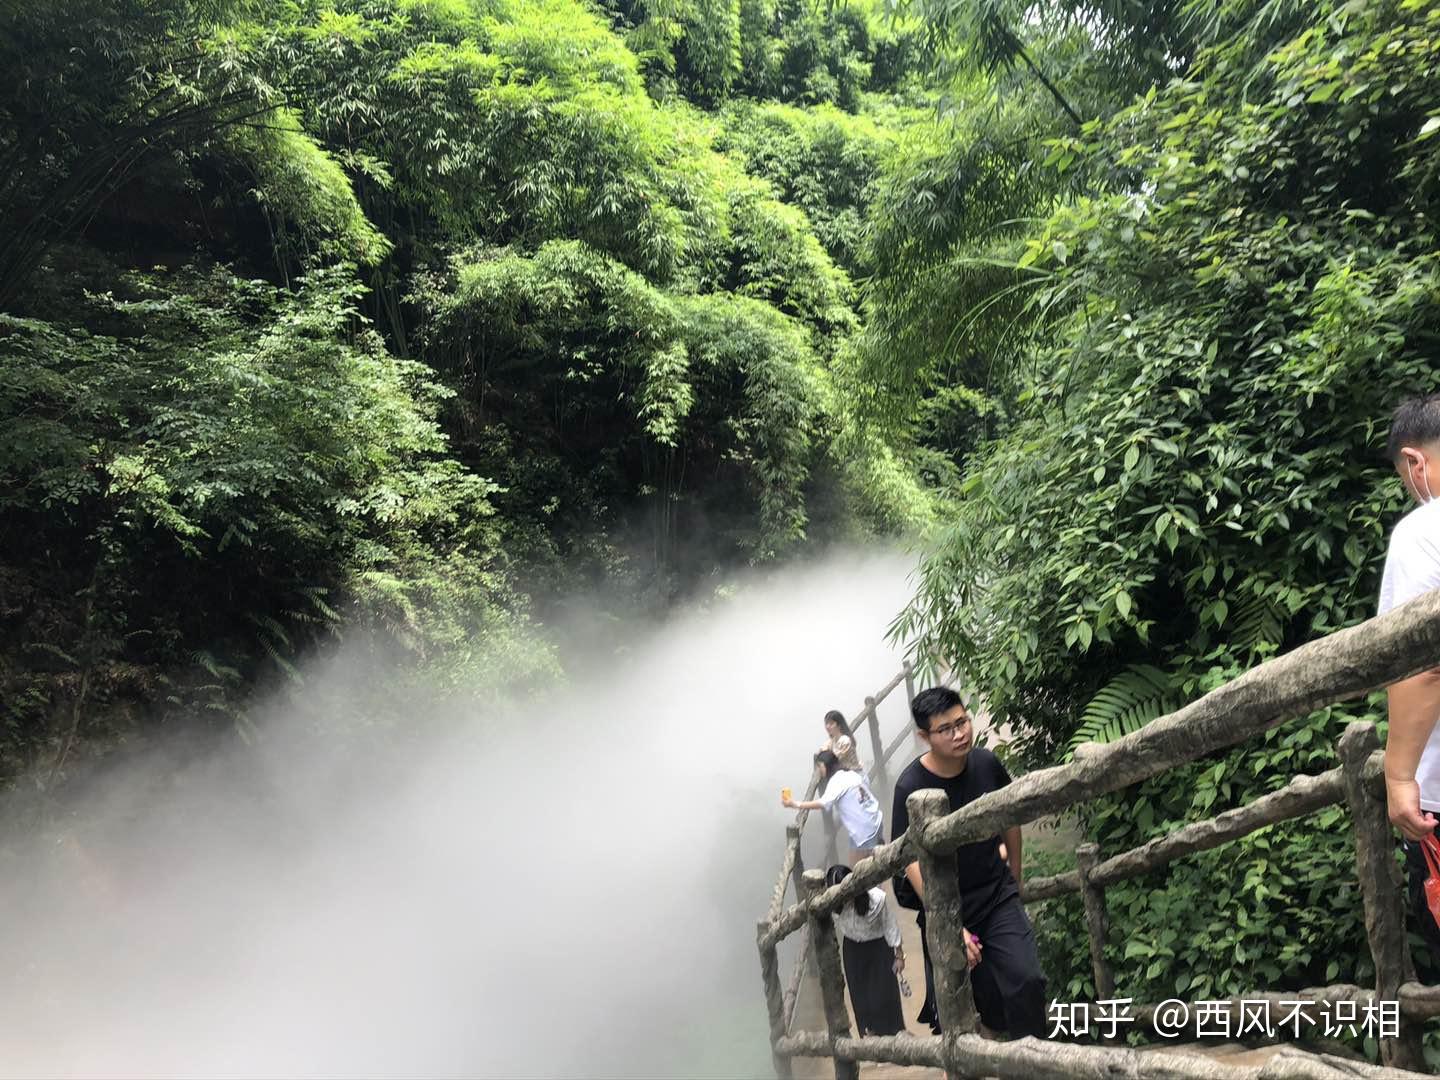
(1124, 705)
(281, 661)
(1256, 623)
(218, 670)
(269, 629)
(316, 595)
(54, 650)
(273, 638)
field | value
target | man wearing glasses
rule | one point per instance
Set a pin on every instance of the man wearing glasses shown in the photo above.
(1008, 984)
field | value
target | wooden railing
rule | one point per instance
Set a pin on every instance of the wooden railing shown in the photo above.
(1343, 665)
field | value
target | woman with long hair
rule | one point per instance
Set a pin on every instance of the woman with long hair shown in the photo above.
(841, 742)
(873, 956)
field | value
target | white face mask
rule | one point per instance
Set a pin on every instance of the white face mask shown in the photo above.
(1422, 489)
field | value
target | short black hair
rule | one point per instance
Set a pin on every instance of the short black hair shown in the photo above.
(828, 760)
(932, 702)
(1415, 423)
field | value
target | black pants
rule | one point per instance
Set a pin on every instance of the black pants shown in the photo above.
(1420, 918)
(870, 975)
(1008, 985)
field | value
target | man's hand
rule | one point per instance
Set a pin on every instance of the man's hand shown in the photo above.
(1402, 798)
(972, 948)
(899, 965)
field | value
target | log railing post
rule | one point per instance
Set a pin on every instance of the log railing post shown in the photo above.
(1381, 887)
(944, 924)
(830, 969)
(879, 775)
(909, 684)
(797, 875)
(1097, 919)
(803, 959)
(774, 1002)
(792, 836)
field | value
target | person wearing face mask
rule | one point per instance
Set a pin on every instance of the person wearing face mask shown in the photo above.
(1412, 567)
(1005, 974)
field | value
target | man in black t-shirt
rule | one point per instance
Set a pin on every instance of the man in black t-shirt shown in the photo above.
(1006, 978)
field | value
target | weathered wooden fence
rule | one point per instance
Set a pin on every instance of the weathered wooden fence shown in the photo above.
(1343, 665)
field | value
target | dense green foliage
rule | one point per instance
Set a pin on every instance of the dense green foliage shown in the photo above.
(402, 321)
(1195, 479)
(789, 51)
(217, 468)
(1204, 332)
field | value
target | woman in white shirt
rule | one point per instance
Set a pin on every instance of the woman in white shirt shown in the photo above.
(847, 793)
(870, 945)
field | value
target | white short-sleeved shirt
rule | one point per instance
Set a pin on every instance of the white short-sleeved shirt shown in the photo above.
(877, 922)
(848, 794)
(1412, 567)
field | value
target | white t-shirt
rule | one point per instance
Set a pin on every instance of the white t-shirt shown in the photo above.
(1412, 567)
(859, 810)
(878, 922)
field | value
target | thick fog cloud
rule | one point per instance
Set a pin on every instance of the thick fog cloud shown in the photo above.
(567, 887)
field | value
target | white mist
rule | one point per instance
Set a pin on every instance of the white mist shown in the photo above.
(568, 889)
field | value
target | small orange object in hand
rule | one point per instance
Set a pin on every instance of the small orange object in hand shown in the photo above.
(784, 794)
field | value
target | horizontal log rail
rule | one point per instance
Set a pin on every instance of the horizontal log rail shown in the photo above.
(1303, 795)
(1037, 1059)
(867, 715)
(1343, 665)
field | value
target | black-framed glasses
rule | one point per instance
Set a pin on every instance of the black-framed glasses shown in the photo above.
(946, 730)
